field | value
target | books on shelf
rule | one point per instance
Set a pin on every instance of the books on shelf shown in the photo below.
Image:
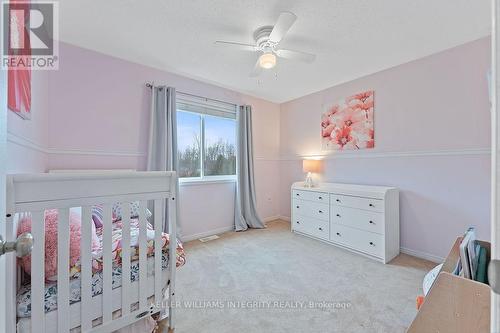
(482, 266)
(465, 256)
(472, 260)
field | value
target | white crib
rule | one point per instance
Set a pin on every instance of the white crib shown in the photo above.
(113, 308)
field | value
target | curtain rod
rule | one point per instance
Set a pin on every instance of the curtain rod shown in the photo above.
(150, 85)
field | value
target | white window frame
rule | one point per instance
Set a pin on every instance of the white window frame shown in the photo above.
(210, 108)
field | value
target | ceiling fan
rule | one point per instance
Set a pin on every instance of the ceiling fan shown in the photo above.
(267, 42)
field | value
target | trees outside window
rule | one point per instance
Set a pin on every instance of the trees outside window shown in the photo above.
(206, 145)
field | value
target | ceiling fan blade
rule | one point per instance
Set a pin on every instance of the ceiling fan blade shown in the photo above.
(285, 22)
(256, 69)
(296, 55)
(236, 45)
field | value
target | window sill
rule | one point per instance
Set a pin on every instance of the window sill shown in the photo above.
(198, 181)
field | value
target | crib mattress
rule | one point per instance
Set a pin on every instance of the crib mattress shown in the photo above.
(24, 293)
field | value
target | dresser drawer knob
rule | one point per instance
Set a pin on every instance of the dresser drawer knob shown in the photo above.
(320, 211)
(297, 206)
(298, 222)
(338, 233)
(371, 205)
(338, 215)
(338, 200)
(320, 229)
(297, 194)
(320, 198)
(372, 244)
(371, 222)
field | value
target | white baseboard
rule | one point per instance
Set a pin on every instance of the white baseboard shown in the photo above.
(422, 255)
(207, 233)
(271, 218)
(276, 217)
(228, 228)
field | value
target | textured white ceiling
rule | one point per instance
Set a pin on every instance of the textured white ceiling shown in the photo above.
(352, 38)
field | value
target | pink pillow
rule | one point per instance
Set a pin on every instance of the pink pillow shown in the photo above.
(51, 241)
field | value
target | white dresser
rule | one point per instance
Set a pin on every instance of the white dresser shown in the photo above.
(361, 218)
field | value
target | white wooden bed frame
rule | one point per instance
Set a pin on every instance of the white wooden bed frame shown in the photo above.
(34, 193)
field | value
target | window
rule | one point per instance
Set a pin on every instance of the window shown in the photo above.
(189, 144)
(206, 140)
(219, 153)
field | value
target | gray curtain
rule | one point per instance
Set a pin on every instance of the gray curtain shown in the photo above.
(245, 215)
(162, 148)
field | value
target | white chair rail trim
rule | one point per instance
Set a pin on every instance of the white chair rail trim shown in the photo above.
(393, 154)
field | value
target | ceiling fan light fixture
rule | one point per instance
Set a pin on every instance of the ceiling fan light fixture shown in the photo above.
(267, 60)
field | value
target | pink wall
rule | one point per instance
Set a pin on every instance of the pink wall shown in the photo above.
(27, 140)
(431, 132)
(99, 119)
(432, 137)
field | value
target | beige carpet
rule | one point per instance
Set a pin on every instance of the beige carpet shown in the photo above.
(264, 281)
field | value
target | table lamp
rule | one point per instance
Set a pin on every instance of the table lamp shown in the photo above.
(311, 166)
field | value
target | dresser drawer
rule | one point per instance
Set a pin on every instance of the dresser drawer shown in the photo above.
(319, 197)
(321, 229)
(376, 205)
(310, 226)
(300, 223)
(357, 218)
(311, 209)
(364, 241)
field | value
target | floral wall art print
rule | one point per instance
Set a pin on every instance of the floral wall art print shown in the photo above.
(19, 48)
(348, 124)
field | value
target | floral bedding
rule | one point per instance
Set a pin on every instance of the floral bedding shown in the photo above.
(117, 251)
(24, 293)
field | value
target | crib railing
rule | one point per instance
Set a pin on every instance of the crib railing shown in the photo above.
(33, 194)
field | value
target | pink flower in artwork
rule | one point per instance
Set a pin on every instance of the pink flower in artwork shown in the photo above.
(363, 97)
(349, 123)
(343, 137)
(353, 118)
(370, 143)
(327, 131)
(325, 121)
(364, 137)
(366, 107)
(333, 110)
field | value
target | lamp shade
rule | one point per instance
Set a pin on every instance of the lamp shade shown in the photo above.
(267, 60)
(313, 166)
